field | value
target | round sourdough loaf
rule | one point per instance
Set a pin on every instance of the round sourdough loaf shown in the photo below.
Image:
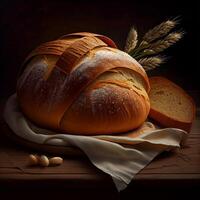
(82, 84)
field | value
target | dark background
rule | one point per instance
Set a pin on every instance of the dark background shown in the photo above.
(26, 24)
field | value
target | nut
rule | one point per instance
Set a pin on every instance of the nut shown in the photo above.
(33, 160)
(44, 161)
(55, 161)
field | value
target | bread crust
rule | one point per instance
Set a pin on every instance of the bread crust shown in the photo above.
(108, 107)
(48, 97)
(166, 120)
(105, 39)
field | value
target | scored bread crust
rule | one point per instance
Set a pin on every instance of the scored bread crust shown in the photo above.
(105, 39)
(169, 121)
(50, 88)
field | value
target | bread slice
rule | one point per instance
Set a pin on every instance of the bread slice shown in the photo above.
(171, 106)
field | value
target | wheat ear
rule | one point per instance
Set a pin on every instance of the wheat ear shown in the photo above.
(159, 31)
(151, 62)
(131, 40)
(168, 41)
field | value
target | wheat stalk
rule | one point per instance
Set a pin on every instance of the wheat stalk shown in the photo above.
(168, 41)
(151, 62)
(131, 40)
(159, 31)
(154, 41)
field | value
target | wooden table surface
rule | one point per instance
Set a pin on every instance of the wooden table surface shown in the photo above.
(77, 177)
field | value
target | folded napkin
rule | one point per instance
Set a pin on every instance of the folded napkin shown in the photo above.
(120, 156)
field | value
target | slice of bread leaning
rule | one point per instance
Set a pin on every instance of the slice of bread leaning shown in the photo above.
(171, 106)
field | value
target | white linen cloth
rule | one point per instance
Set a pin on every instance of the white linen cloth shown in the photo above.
(109, 153)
